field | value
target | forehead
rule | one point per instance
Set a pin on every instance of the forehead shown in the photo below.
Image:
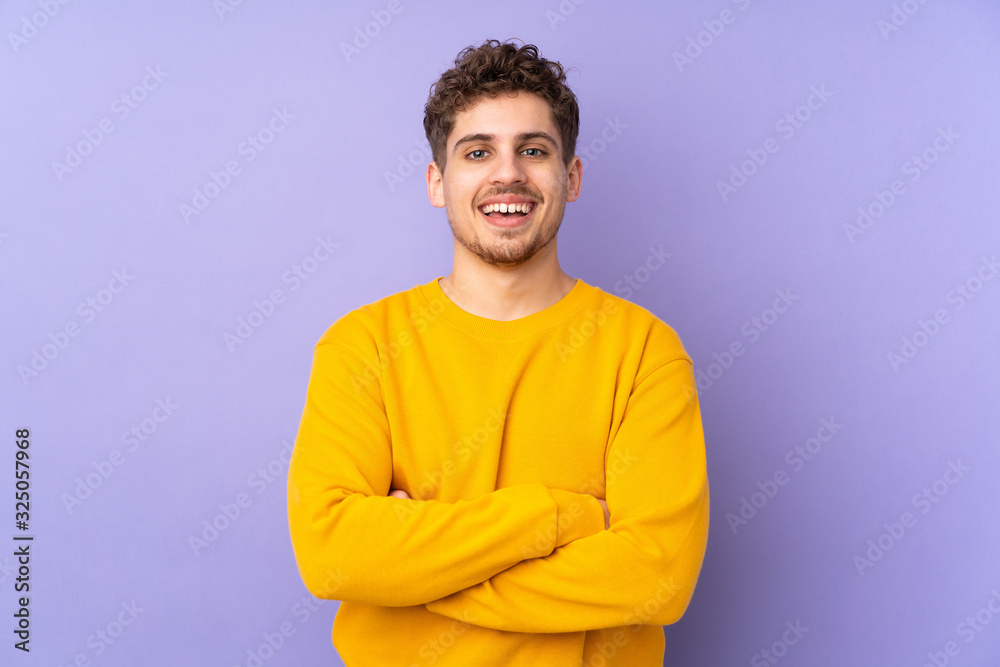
(505, 116)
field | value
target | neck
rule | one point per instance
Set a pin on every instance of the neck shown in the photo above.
(506, 294)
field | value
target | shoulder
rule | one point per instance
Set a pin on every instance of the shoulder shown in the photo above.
(361, 329)
(659, 341)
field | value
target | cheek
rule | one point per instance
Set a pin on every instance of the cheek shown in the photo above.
(553, 182)
(459, 192)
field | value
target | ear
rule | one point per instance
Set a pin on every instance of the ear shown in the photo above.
(573, 175)
(435, 185)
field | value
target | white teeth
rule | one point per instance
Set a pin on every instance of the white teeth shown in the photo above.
(507, 208)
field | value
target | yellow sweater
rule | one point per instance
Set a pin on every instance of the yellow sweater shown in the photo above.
(504, 434)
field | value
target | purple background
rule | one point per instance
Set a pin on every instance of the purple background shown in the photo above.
(652, 181)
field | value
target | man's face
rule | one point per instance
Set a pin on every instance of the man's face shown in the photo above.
(507, 150)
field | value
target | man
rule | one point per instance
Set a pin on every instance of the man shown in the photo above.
(504, 466)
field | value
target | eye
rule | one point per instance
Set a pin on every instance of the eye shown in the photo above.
(538, 152)
(473, 154)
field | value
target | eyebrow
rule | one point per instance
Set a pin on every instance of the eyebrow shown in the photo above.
(524, 136)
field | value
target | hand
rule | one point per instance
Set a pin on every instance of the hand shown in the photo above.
(398, 493)
(607, 513)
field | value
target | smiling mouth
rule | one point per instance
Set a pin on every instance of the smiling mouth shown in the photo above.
(507, 211)
(516, 216)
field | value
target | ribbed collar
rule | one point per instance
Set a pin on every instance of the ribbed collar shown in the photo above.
(485, 328)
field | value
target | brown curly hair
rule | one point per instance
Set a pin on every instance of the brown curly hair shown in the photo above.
(493, 68)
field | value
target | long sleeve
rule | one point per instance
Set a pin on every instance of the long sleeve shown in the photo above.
(643, 569)
(397, 552)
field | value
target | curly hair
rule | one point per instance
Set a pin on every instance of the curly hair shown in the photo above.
(493, 68)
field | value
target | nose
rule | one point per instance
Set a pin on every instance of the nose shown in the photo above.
(507, 168)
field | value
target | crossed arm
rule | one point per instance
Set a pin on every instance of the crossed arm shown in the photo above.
(467, 559)
(643, 568)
